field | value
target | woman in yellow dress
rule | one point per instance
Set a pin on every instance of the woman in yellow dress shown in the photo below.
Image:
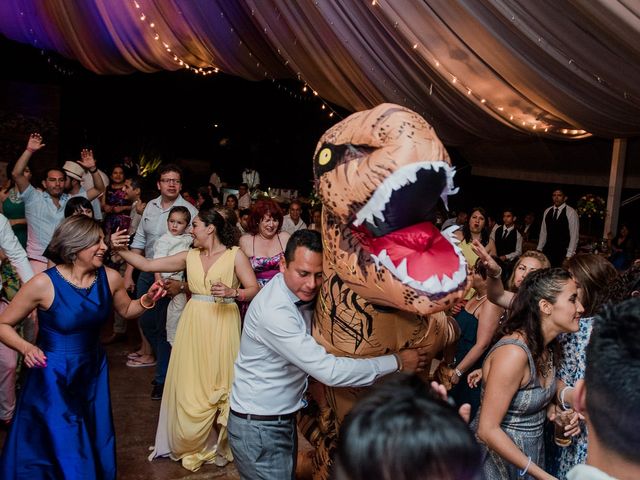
(192, 426)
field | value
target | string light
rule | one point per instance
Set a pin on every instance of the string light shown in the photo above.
(519, 120)
(208, 70)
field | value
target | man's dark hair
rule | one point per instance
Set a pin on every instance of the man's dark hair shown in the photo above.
(245, 185)
(136, 182)
(611, 378)
(401, 430)
(302, 238)
(169, 167)
(54, 169)
(510, 210)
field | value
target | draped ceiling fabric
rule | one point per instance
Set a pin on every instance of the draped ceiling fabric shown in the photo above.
(476, 69)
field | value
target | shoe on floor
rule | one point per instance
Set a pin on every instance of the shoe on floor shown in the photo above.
(156, 392)
(136, 363)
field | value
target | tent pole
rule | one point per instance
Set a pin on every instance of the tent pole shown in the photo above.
(616, 176)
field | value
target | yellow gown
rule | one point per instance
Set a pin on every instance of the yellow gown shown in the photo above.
(200, 374)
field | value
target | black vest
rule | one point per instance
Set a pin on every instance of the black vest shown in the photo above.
(558, 235)
(508, 244)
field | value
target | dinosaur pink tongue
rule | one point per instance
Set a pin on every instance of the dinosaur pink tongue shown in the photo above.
(426, 250)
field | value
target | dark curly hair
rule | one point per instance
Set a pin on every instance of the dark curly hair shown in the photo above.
(525, 317)
(623, 286)
(264, 206)
(484, 233)
(225, 230)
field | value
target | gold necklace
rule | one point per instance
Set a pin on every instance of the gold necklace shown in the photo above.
(547, 366)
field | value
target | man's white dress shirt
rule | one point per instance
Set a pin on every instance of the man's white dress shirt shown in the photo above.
(277, 353)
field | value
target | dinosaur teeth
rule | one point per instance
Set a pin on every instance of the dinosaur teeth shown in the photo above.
(402, 177)
(433, 284)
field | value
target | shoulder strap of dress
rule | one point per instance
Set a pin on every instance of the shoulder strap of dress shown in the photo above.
(254, 245)
(278, 235)
(521, 344)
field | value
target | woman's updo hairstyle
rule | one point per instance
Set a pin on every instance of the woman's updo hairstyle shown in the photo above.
(225, 230)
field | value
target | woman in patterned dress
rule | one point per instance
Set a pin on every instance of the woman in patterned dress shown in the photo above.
(519, 376)
(593, 273)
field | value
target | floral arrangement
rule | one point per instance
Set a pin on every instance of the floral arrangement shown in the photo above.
(591, 206)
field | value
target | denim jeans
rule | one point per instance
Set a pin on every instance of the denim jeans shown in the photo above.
(154, 326)
(264, 450)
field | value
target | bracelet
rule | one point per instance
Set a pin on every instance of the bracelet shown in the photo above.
(522, 473)
(458, 372)
(143, 305)
(95, 169)
(399, 360)
(562, 403)
(31, 150)
(498, 275)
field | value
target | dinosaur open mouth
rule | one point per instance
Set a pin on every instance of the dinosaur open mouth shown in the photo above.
(394, 227)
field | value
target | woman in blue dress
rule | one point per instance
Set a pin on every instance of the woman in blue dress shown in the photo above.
(63, 427)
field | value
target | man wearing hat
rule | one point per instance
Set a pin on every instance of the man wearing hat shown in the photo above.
(44, 210)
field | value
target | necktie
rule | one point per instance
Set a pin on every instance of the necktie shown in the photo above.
(504, 233)
(555, 213)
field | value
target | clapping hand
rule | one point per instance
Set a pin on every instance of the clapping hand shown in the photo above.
(465, 409)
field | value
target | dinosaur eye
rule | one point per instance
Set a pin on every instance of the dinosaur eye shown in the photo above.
(324, 156)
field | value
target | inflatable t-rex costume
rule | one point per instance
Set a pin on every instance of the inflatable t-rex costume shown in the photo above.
(388, 272)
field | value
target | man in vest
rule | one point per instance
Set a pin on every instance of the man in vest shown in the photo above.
(507, 238)
(559, 230)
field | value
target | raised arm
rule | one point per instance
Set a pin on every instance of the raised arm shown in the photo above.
(89, 163)
(495, 290)
(33, 145)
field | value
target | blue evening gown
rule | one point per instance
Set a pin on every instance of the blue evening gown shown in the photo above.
(63, 426)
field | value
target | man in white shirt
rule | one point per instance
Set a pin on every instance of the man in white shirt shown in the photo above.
(277, 353)
(559, 231)
(44, 210)
(292, 221)
(251, 177)
(610, 394)
(244, 199)
(152, 226)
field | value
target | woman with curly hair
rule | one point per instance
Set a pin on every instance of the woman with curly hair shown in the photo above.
(192, 426)
(519, 374)
(264, 243)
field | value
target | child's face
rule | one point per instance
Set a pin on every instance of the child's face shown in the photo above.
(177, 223)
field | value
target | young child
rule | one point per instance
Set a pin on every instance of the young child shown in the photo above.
(174, 241)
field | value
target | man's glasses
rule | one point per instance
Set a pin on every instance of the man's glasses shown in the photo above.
(170, 181)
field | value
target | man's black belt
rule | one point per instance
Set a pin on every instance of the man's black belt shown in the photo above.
(264, 418)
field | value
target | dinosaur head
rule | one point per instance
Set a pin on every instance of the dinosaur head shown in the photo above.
(380, 174)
